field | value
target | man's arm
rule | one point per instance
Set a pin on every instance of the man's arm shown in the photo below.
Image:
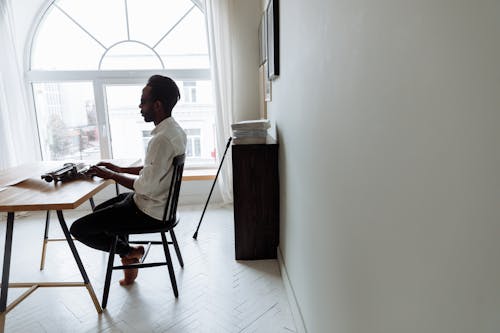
(116, 168)
(120, 178)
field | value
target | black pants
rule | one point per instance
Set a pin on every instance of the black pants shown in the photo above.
(117, 215)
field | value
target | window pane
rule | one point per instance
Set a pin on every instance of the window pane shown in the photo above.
(61, 45)
(75, 34)
(131, 55)
(186, 46)
(105, 20)
(189, 147)
(197, 117)
(129, 132)
(192, 131)
(189, 92)
(197, 147)
(120, 35)
(67, 120)
(150, 20)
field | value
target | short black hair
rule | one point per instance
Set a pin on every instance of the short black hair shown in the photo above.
(165, 90)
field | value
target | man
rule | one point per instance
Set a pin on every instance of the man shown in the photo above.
(134, 210)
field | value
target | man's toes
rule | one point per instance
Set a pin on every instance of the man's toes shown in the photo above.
(129, 276)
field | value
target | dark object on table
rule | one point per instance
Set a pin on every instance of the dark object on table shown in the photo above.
(69, 171)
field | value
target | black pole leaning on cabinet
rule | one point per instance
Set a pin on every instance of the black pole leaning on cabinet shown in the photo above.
(213, 185)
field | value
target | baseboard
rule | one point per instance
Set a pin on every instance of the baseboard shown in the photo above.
(292, 300)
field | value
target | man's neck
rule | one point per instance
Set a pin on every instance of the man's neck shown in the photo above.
(160, 119)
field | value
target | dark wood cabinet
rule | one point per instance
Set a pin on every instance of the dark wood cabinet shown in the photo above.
(256, 200)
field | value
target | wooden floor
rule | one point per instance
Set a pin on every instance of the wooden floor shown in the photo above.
(216, 292)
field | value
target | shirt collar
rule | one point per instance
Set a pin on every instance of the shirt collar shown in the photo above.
(162, 125)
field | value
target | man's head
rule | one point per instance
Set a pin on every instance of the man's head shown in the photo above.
(159, 97)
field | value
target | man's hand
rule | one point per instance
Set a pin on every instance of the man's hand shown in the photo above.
(101, 172)
(110, 166)
(113, 167)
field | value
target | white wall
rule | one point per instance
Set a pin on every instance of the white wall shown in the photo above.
(245, 54)
(389, 124)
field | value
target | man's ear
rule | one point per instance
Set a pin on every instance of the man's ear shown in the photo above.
(157, 106)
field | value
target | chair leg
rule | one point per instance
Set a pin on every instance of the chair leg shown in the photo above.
(92, 204)
(169, 264)
(176, 246)
(109, 270)
(45, 240)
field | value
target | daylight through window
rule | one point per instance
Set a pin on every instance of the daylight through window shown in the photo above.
(89, 62)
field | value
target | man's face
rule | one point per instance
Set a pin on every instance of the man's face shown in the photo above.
(146, 106)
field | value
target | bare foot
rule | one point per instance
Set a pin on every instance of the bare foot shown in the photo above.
(132, 258)
(136, 253)
(129, 275)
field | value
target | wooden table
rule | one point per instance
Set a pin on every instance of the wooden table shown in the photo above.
(22, 189)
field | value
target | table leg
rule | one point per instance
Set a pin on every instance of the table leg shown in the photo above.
(6, 268)
(2, 322)
(45, 239)
(6, 261)
(92, 204)
(78, 261)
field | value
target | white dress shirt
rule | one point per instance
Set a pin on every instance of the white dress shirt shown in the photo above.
(151, 188)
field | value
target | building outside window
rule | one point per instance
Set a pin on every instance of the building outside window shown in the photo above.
(193, 147)
(189, 90)
(89, 61)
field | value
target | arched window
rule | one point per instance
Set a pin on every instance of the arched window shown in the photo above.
(89, 61)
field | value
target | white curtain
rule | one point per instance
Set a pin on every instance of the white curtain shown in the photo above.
(218, 21)
(18, 133)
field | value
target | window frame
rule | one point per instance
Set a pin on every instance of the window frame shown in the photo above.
(99, 79)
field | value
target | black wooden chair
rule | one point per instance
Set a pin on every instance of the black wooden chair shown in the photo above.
(169, 221)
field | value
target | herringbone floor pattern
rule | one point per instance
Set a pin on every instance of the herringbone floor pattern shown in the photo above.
(216, 292)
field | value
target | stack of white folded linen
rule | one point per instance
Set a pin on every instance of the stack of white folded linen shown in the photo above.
(250, 131)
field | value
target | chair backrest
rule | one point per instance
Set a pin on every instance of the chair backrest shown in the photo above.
(170, 213)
